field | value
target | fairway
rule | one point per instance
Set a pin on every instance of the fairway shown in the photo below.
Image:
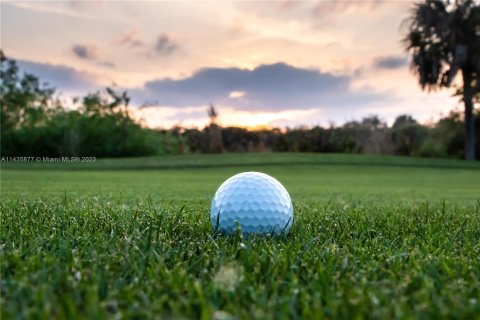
(373, 237)
(310, 177)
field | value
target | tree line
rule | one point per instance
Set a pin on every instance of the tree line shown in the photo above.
(406, 137)
(36, 123)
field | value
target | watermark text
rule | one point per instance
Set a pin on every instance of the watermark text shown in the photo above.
(48, 159)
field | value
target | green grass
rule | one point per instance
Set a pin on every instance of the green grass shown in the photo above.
(373, 237)
(243, 160)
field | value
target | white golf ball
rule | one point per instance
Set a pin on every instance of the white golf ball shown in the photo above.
(258, 202)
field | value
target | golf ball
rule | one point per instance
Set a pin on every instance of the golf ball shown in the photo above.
(257, 201)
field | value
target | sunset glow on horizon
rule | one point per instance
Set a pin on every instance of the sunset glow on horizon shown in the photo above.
(261, 64)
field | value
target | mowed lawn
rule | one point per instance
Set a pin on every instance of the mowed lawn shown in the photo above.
(313, 177)
(373, 237)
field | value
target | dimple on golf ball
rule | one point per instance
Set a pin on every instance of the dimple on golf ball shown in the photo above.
(257, 201)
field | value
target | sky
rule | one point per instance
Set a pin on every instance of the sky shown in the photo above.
(260, 63)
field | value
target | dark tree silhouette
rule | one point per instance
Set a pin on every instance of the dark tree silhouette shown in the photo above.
(403, 120)
(212, 113)
(214, 130)
(444, 41)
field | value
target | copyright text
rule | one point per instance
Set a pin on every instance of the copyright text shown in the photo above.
(48, 159)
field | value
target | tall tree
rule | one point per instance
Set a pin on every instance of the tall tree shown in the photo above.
(24, 102)
(444, 41)
(23, 99)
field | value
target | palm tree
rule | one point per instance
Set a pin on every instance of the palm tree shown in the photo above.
(212, 113)
(214, 130)
(444, 41)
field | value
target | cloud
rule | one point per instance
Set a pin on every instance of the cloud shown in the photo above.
(165, 45)
(236, 94)
(107, 64)
(50, 7)
(390, 62)
(266, 88)
(130, 38)
(323, 8)
(85, 52)
(62, 77)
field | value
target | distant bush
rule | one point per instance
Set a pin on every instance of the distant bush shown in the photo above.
(407, 136)
(447, 137)
(431, 149)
